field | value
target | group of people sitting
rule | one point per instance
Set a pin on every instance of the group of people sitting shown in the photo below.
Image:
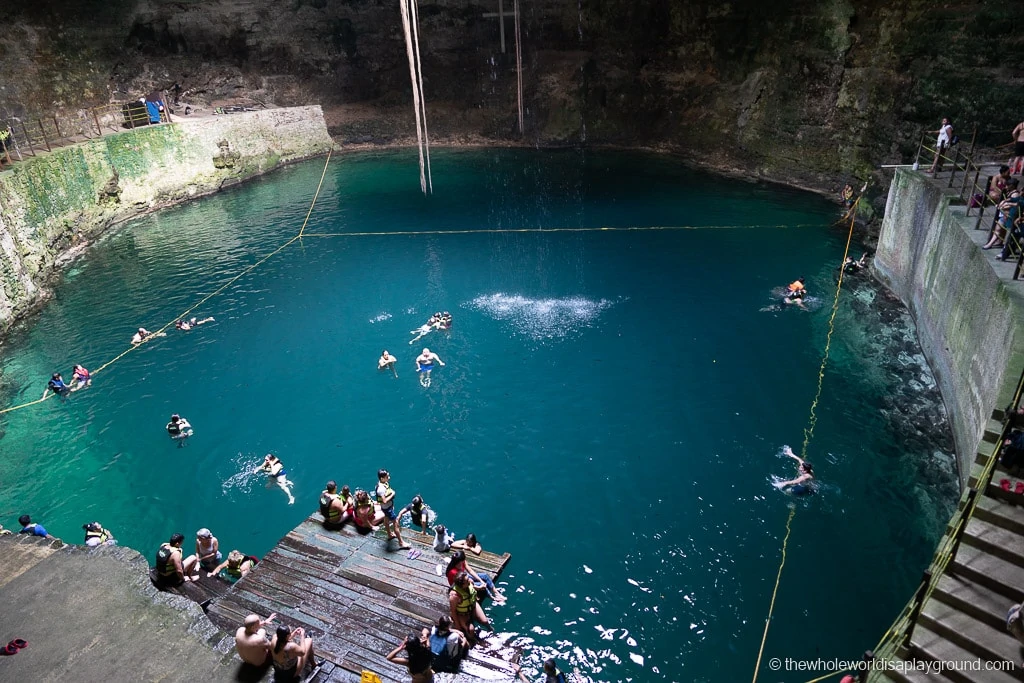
(173, 569)
(1007, 232)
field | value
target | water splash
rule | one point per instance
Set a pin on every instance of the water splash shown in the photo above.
(542, 318)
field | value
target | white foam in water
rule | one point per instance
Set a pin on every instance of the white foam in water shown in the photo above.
(636, 658)
(380, 317)
(588, 569)
(541, 318)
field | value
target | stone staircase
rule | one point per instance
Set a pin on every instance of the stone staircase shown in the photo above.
(964, 619)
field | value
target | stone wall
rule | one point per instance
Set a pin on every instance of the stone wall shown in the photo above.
(54, 204)
(968, 319)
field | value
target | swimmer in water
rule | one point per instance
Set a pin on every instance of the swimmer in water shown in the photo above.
(57, 386)
(804, 482)
(795, 293)
(855, 266)
(274, 468)
(387, 361)
(186, 325)
(425, 363)
(80, 377)
(423, 330)
(143, 334)
(179, 429)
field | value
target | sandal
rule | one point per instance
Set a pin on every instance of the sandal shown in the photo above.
(19, 643)
(1004, 484)
(1019, 488)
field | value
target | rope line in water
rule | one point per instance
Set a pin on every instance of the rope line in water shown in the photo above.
(636, 228)
(808, 433)
(199, 303)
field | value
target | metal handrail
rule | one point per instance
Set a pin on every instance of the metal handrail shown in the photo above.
(31, 134)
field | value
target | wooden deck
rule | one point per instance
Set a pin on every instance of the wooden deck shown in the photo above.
(356, 598)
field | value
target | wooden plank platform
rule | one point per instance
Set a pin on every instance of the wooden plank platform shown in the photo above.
(356, 596)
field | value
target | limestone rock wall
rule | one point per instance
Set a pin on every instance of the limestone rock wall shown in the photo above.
(969, 322)
(806, 91)
(52, 204)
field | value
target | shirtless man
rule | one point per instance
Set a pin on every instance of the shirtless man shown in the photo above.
(1018, 149)
(387, 361)
(253, 642)
(274, 468)
(143, 334)
(425, 363)
(423, 330)
(186, 325)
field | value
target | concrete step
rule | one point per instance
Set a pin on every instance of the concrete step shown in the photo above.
(993, 429)
(983, 641)
(1000, 513)
(21, 552)
(913, 673)
(994, 573)
(981, 603)
(930, 646)
(995, 540)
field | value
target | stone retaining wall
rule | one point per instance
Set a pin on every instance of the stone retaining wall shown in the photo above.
(968, 318)
(52, 205)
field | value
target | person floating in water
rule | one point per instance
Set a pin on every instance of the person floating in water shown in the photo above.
(179, 429)
(425, 363)
(274, 468)
(855, 266)
(423, 330)
(804, 482)
(143, 334)
(186, 325)
(80, 377)
(57, 386)
(442, 321)
(387, 361)
(795, 293)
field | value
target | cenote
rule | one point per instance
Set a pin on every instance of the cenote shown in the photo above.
(611, 410)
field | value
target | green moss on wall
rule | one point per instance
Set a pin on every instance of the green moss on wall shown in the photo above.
(133, 154)
(54, 184)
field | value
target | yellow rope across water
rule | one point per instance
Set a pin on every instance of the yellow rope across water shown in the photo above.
(808, 433)
(199, 303)
(500, 231)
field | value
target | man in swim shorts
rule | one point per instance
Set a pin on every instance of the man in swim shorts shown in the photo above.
(253, 642)
(274, 468)
(386, 500)
(425, 363)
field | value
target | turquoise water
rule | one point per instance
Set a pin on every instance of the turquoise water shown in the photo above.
(611, 410)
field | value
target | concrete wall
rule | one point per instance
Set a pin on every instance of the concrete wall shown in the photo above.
(968, 320)
(52, 205)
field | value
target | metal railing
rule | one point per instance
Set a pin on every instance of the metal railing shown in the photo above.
(897, 638)
(30, 134)
(976, 195)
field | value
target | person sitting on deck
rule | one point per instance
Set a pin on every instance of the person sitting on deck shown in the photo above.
(291, 652)
(253, 642)
(481, 580)
(80, 377)
(207, 550)
(418, 657)
(56, 385)
(419, 513)
(171, 570)
(96, 535)
(998, 184)
(336, 509)
(804, 483)
(235, 567)
(448, 645)
(470, 544)
(465, 607)
(27, 527)
(366, 515)
(1007, 213)
(1012, 454)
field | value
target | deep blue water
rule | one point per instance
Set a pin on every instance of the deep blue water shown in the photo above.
(611, 410)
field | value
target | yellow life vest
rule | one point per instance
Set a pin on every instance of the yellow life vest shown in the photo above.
(467, 598)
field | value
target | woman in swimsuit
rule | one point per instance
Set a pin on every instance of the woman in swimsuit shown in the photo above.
(804, 482)
(367, 515)
(207, 549)
(292, 651)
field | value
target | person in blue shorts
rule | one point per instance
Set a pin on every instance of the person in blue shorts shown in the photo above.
(425, 363)
(804, 483)
(386, 499)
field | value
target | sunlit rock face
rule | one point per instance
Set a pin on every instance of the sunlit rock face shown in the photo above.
(804, 91)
